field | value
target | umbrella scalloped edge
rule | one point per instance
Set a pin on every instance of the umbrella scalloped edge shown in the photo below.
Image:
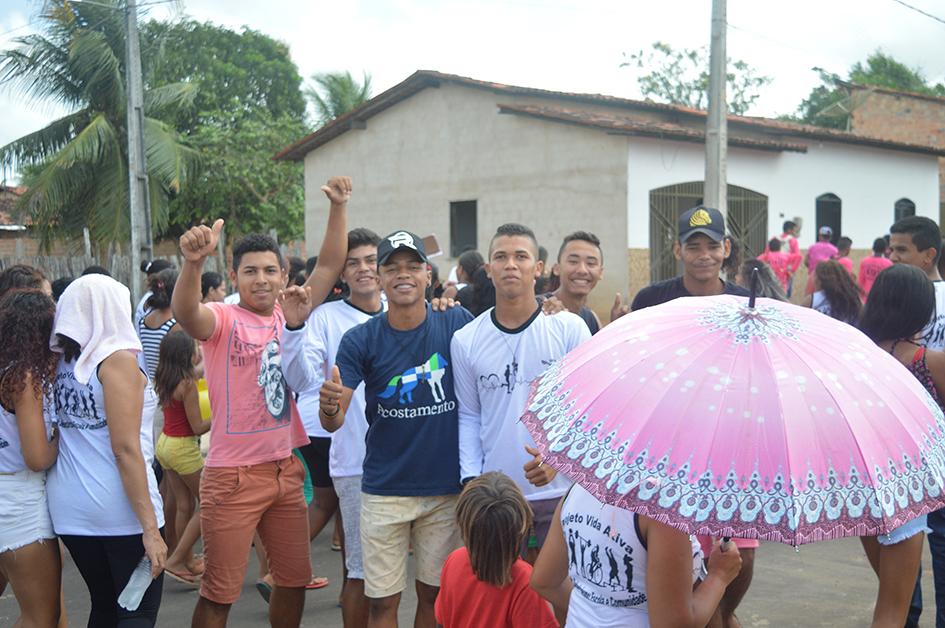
(775, 510)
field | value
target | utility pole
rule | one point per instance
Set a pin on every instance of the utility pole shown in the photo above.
(715, 193)
(138, 198)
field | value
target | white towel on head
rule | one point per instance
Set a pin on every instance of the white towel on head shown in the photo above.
(95, 311)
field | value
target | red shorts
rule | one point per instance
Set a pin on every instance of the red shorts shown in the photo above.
(235, 503)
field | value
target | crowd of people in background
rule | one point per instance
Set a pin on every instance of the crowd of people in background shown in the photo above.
(359, 394)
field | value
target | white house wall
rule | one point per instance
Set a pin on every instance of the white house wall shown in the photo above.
(868, 181)
(451, 144)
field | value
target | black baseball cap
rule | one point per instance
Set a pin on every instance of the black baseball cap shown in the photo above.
(400, 240)
(701, 219)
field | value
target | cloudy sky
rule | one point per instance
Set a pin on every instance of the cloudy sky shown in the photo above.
(567, 45)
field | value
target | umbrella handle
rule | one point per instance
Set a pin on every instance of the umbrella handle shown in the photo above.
(754, 284)
(725, 542)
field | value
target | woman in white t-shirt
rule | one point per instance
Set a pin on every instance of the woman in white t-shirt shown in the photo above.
(29, 555)
(607, 567)
(103, 498)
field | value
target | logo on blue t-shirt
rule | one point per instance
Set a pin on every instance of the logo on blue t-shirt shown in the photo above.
(3, 443)
(431, 372)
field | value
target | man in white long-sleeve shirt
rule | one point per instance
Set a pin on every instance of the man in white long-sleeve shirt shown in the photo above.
(495, 358)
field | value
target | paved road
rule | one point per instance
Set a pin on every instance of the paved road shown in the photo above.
(828, 584)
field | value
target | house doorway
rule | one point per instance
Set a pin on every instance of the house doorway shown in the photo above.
(829, 214)
(747, 222)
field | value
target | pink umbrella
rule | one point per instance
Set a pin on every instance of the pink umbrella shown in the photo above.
(775, 422)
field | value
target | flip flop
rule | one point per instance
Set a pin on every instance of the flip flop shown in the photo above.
(184, 577)
(317, 583)
(265, 589)
(335, 547)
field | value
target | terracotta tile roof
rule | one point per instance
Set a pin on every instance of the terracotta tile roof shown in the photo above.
(8, 198)
(356, 119)
(621, 125)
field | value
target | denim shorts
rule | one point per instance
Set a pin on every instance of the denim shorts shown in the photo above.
(24, 513)
(905, 531)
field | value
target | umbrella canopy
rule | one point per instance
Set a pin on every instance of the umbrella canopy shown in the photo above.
(774, 422)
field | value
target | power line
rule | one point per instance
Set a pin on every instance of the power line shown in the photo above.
(918, 10)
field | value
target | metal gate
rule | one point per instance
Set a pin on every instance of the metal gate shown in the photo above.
(747, 222)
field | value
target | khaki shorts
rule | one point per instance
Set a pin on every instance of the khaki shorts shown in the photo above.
(236, 502)
(390, 525)
(180, 454)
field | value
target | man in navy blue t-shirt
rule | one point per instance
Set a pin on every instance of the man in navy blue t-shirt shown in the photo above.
(411, 467)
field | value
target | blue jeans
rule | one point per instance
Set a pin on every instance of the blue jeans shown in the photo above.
(936, 521)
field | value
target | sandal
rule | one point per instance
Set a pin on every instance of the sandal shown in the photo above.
(317, 583)
(265, 589)
(184, 577)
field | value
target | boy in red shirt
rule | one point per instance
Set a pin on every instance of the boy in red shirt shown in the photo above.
(871, 266)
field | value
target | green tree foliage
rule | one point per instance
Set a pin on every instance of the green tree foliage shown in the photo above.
(239, 180)
(249, 105)
(76, 167)
(681, 77)
(830, 103)
(238, 73)
(336, 93)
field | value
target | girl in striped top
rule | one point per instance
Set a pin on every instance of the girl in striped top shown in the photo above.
(160, 319)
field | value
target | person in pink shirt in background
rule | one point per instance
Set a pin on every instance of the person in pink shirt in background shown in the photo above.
(790, 245)
(871, 266)
(820, 251)
(844, 245)
(783, 264)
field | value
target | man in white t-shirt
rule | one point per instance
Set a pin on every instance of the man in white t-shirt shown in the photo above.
(325, 328)
(917, 241)
(495, 358)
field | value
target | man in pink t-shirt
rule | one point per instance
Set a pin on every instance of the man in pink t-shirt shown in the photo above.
(252, 482)
(844, 245)
(872, 266)
(820, 251)
(791, 247)
(783, 264)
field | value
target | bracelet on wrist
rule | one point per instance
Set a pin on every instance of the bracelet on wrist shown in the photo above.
(333, 414)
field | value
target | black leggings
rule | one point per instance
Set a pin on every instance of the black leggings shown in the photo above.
(106, 563)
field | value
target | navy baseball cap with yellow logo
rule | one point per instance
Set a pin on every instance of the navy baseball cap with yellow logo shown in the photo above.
(701, 219)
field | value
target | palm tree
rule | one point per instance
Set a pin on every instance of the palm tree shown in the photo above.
(76, 167)
(336, 93)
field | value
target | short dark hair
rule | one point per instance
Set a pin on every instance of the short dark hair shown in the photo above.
(513, 229)
(900, 304)
(924, 231)
(256, 243)
(95, 269)
(844, 243)
(880, 245)
(59, 286)
(582, 236)
(21, 276)
(774, 245)
(154, 266)
(210, 281)
(542, 253)
(362, 237)
(161, 286)
(788, 225)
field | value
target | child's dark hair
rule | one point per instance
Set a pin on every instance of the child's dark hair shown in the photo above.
(788, 225)
(26, 321)
(493, 518)
(844, 243)
(21, 276)
(774, 245)
(161, 286)
(841, 291)
(175, 364)
(210, 281)
(900, 304)
(255, 243)
(880, 245)
(59, 286)
(924, 233)
(95, 269)
(582, 236)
